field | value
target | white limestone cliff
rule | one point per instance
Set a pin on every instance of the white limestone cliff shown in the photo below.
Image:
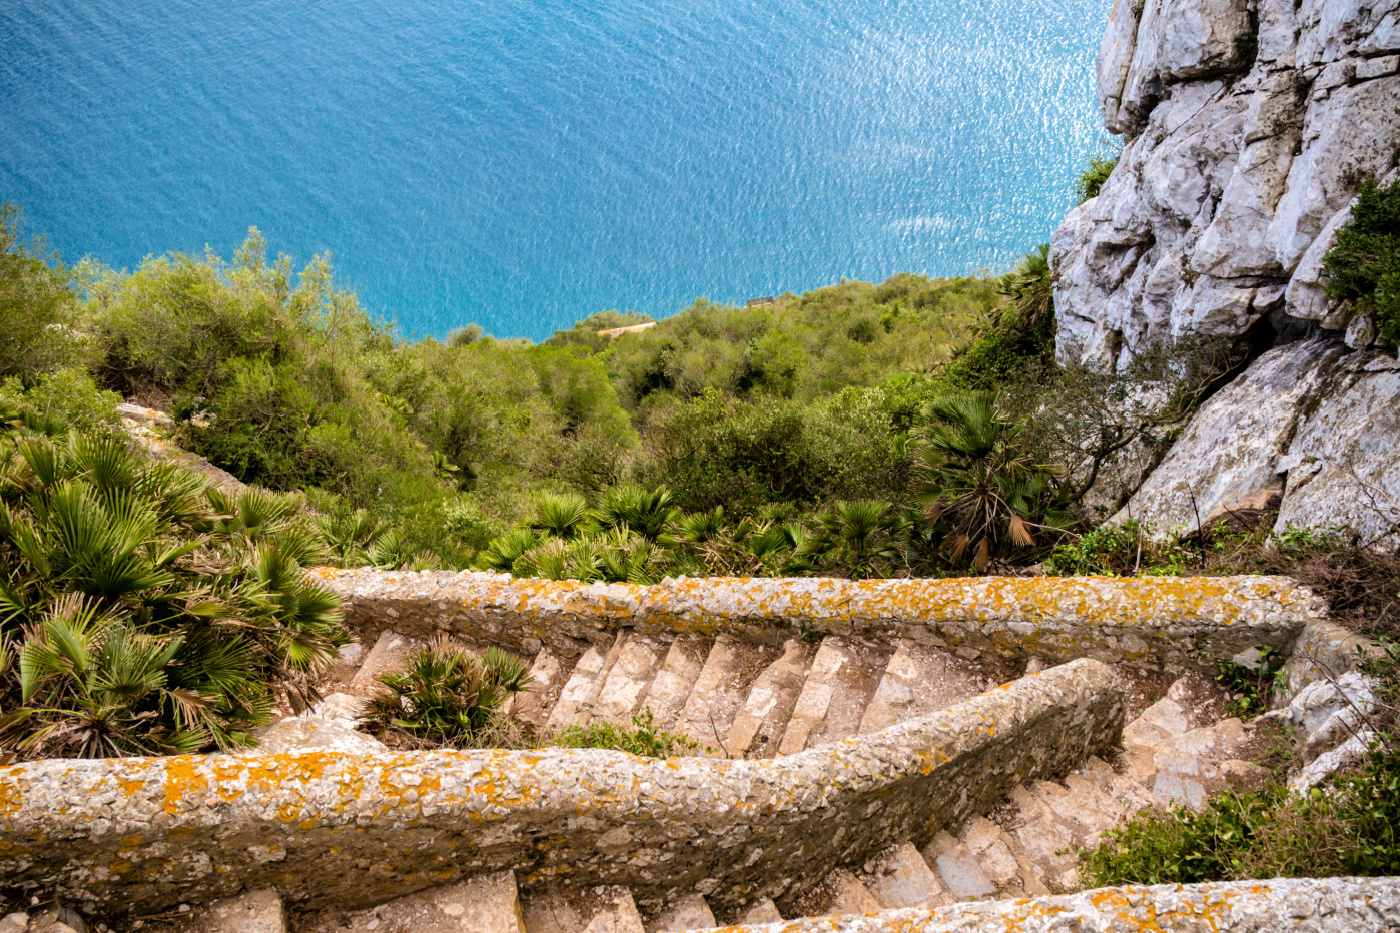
(1250, 125)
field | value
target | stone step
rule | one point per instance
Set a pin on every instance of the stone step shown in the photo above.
(575, 704)
(961, 874)
(840, 894)
(549, 672)
(720, 691)
(919, 680)
(843, 677)
(900, 877)
(686, 913)
(485, 904)
(671, 688)
(608, 909)
(638, 660)
(388, 654)
(758, 728)
(1002, 859)
(762, 910)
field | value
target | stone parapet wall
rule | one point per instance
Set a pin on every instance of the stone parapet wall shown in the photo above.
(1330, 905)
(1154, 621)
(345, 831)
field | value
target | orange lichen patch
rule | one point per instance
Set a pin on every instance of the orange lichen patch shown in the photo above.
(11, 793)
(182, 776)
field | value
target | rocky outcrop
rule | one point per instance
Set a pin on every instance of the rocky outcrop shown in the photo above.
(1311, 427)
(1251, 124)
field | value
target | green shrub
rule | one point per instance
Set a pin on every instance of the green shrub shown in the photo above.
(66, 397)
(1363, 267)
(1092, 179)
(36, 304)
(146, 615)
(1122, 550)
(642, 739)
(747, 455)
(447, 696)
(1347, 830)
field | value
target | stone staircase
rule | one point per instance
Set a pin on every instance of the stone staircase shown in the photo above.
(736, 699)
(745, 700)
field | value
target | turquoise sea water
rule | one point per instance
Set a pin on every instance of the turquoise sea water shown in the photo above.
(524, 163)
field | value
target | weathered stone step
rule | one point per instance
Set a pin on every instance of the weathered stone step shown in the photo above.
(762, 910)
(638, 660)
(548, 673)
(840, 894)
(576, 700)
(843, 677)
(607, 909)
(686, 913)
(759, 725)
(671, 688)
(388, 654)
(901, 878)
(720, 691)
(484, 904)
(918, 680)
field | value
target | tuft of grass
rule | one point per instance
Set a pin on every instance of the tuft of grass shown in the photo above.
(642, 739)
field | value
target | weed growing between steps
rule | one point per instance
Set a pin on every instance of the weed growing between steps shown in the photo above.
(1349, 826)
(642, 738)
(1250, 687)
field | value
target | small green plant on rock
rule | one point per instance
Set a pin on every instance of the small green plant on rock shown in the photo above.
(1121, 550)
(1250, 687)
(642, 739)
(1363, 267)
(1093, 178)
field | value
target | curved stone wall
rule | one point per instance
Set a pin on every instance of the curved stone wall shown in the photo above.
(1327, 905)
(1154, 621)
(141, 835)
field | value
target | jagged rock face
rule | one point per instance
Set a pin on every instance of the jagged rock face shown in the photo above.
(1311, 425)
(1251, 125)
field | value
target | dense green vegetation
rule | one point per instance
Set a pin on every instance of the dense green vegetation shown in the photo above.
(853, 429)
(1346, 827)
(140, 612)
(1363, 267)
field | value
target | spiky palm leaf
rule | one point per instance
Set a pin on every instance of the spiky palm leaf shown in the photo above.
(561, 516)
(975, 475)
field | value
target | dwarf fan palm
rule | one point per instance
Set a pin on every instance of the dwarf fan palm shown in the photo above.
(974, 473)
